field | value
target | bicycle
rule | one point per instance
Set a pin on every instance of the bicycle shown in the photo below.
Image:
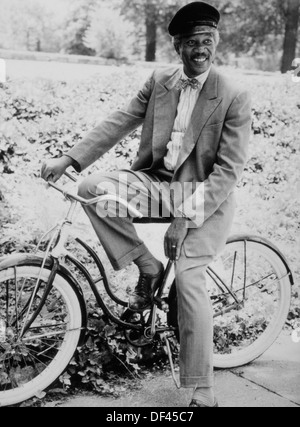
(43, 314)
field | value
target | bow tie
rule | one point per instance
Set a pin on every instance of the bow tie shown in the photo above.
(184, 83)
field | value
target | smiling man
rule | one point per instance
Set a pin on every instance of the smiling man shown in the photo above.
(196, 128)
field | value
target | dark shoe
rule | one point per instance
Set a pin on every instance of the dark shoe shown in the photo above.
(196, 404)
(143, 294)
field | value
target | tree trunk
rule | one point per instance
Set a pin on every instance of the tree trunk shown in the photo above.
(27, 40)
(151, 37)
(38, 45)
(291, 34)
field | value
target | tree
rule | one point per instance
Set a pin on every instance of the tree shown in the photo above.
(260, 28)
(151, 30)
(25, 25)
(250, 27)
(110, 35)
(76, 27)
(152, 14)
(292, 15)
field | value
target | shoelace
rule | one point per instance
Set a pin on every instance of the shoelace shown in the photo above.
(142, 288)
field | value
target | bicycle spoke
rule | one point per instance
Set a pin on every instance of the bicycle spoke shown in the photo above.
(43, 353)
(233, 270)
(37, 337)
(245, 269)
(47, 326)
(16, 305)
(7, 301)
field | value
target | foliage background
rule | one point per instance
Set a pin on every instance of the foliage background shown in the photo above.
(43, 118)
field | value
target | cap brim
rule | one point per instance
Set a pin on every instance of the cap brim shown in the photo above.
(203, 29)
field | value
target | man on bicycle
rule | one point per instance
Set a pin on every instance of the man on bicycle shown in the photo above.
(196, 129)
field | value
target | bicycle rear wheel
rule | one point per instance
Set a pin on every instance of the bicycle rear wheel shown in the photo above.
(31, 362)
(250, 290)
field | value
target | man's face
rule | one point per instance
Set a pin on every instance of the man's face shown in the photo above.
(197, 53)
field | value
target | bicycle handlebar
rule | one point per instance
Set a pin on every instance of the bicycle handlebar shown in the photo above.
(70, 176)
(105, 197)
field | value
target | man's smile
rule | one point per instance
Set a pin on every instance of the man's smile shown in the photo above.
(200, 59)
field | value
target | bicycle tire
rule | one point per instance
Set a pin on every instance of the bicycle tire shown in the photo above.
(50, 363)
(258, 346)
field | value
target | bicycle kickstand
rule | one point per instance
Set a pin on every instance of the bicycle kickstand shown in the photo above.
(165, 341)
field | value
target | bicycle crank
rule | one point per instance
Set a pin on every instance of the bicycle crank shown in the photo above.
(138, 338)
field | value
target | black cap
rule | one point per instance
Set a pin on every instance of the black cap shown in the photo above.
(195, 14)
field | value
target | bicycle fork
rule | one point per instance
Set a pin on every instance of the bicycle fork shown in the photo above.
(164, 336)
(58, 252)
(47, 291)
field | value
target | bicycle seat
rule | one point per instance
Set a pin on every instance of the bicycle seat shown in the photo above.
(152, 220)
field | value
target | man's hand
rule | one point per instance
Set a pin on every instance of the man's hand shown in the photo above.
(52, 170)
(175, 237)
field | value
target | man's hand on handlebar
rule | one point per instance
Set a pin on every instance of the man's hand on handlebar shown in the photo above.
(52, 170)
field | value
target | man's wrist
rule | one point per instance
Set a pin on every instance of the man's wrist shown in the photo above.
(181, 215)
(67, 160)
(181, 219)
(71, 162)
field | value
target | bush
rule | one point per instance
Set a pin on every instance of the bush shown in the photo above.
(105, 354)
(110, 36)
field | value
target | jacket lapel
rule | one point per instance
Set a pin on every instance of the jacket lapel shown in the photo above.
(207, 103)
(165, 110)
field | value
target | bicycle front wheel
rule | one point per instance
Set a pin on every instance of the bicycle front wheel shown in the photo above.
(31, 361)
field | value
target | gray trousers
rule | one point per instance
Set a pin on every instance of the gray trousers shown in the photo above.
(122, 245)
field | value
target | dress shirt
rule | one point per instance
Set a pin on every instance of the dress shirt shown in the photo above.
(187, 103)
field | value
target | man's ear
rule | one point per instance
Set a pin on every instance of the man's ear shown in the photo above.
(177, 45)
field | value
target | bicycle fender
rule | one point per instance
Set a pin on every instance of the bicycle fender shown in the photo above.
(266, 242)
(19, 260)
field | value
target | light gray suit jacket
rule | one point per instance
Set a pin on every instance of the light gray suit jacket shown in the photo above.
(214, 150)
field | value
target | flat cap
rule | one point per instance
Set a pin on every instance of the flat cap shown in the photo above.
(195, 14)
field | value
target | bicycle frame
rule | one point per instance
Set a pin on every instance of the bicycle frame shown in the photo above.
(58, 254)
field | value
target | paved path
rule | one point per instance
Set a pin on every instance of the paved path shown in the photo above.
(70, 72)
(59, 71)
(271, 381)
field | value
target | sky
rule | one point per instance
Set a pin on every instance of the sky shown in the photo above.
(59, 7)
